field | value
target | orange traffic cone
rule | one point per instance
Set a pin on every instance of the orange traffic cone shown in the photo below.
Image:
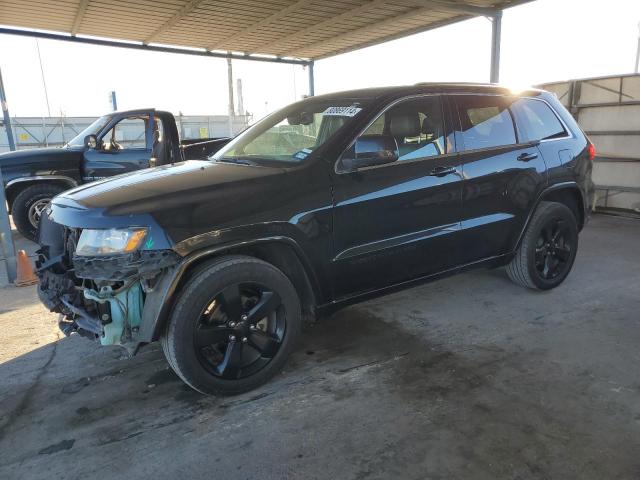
(26, 275)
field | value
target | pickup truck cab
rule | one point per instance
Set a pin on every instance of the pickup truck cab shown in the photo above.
(329, 201)
(116, 143)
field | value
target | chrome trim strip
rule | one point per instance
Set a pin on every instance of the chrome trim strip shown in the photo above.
(69, 180)
(553, 110)
(569, 135)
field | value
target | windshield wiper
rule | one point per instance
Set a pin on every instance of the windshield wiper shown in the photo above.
(238, 160)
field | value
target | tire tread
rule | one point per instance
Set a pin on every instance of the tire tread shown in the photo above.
(19, 211)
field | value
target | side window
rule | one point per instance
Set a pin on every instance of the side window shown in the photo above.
(128, 134)
(485, 121)
(537, 120)
(416, 125)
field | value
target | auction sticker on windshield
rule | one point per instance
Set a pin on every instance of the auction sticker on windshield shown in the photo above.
(342, 111)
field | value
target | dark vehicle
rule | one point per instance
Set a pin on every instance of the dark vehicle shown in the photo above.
(330, 201)
(116, 143)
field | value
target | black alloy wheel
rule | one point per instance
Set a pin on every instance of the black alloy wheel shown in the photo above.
(232, 326)
(240, 330)
(553, 249)
(548, 248)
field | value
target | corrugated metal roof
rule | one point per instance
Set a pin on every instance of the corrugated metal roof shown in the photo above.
(308, 29)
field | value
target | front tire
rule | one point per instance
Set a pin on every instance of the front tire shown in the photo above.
(233, 326)
(28, 206)
(548, 249)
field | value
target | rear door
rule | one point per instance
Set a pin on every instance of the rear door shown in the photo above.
(399, 221)
(539, 123)
(123, 146)
(503, 175)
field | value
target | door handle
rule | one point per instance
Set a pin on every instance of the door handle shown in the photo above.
(527, 157)
(441, 171)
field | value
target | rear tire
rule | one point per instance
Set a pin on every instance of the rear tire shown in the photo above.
(220, 346)
(28, 205)
(548, 249)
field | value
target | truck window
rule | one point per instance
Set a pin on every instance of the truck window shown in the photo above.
(485, 122)
(128, 134)
(537, 120)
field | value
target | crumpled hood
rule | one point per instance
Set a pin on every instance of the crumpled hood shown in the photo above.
(182, 185)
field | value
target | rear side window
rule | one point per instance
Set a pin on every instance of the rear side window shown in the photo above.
(485, 122)
(537, 120)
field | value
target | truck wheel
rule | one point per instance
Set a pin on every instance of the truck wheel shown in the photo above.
(28, 206)
(233, 326)
(548, 248)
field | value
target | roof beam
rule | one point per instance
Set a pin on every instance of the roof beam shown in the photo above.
(82, 8)
(390, 37)
(429, 5)
(259, 24)
(179, 15)
(454, 7)
(370, 5)
(150, 48)
(365, 30)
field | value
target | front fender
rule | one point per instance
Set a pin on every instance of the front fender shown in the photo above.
(17, 184)
(159, 302)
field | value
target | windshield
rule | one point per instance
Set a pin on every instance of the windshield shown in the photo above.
(291, 134)
(94, 128)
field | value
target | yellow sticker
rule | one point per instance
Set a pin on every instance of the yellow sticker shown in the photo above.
(23, 137)
(204, 132)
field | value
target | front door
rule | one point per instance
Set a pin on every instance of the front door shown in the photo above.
(399, 221)
(503, 172)
(124, 146)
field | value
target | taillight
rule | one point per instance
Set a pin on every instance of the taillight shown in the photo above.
(592, 151)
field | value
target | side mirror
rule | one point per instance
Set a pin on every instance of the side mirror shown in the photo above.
(371, 150)
(91, 141)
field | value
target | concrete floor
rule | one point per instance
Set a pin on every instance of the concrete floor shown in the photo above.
(471, 377)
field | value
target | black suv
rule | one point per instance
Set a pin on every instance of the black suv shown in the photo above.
(327, 202)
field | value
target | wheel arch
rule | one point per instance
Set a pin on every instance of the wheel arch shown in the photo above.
(282, 252)
(566, 193)
(17, 185)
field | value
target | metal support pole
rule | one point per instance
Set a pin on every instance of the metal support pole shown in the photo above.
(231, 101)
(44, 83)
(312, 87)
(496, 33)
(637, 70)
(114, 101)
(7, 118)
(8, 250)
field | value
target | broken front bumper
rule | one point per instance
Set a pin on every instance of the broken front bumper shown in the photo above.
(115, 299)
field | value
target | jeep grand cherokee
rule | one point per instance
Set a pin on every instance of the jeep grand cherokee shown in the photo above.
(329, 201)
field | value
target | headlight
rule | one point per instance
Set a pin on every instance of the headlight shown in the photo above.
(106, 242)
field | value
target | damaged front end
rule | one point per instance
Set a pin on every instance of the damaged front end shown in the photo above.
(103, 297)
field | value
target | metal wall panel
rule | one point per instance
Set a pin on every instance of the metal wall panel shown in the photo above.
(608, 109)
